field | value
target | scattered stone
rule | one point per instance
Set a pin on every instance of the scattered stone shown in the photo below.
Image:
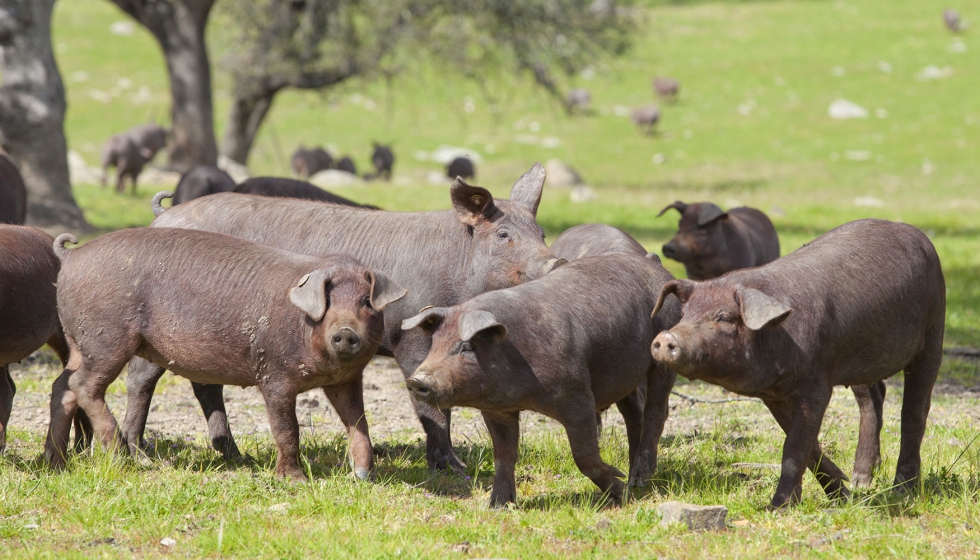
(445, 154)
(80, 173)
(561, 174)
(463, 547)
(168, 542)
(159, 177)
(237, 171)
(842, 109)
(329, 178)
(697, 518)
(122, 28)
(933, 72)
(31, 526)
(279, 508)
(869, 201)
(582, 194)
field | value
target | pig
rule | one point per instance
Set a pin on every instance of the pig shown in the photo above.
(443, 258)
(666, 88)
(711, 242)
(645, 118)
(347, 164)
(564, 345)
(306, 163)
(383, 159)
(219, 309)
(587, 240)
(121, 152)
(13, 193)
(853, 307)
(291, 188)
(202, 180)
(952, 20)
(149, 138)
(28, 311)
(577, 100)
(461, 167)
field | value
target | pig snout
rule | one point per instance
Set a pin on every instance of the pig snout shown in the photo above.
(425, 386)
(666, 348)
(670, 250)
(345, 342)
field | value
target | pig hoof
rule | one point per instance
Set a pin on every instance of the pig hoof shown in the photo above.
(861, 480)
(364, 474)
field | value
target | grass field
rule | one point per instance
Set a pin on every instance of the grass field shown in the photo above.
(751, 127)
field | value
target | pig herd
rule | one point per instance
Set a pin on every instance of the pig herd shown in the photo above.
(290, 295)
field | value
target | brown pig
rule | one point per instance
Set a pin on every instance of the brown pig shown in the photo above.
(219, 310)
(853, 307)
(564, 345)
(711, 242)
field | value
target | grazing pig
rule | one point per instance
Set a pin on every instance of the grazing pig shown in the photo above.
(291, 188)
(149, 138)
(122, 153)
(587, 240)
(666, 88)
(347, 164)
(577, 100)
(306, 163)
(564, 345)
(711, 242)
(461, 167)
(645, 118)
(443, 258)
(202, 180)
(853, 307)
(952, 20)
(218, 309)
(28, 308)
(383, 159)
(13, 193)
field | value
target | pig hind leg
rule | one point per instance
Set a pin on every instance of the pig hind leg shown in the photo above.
(90, 380)
(64, 407)
(7, 391)
(505, 432)
(920, 377)
(211, 398)
(870, 401)
(581, 429)
(83, 426)
(348, 401)
(656, 407)
(281, 406)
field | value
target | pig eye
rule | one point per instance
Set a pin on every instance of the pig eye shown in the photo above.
(366, 301)
(503, 235)
(725, 318)
(464, 347)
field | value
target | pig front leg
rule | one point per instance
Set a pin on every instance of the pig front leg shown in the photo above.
(348, 401)
(281, 407)
(920, 377)
(660, 381)
(7, 391)
(505, 433)
(212, 400)
(870, 400)
(581, 429)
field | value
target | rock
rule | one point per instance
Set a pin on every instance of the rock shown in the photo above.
(80, 173)
(237, 171)
(582, 194)
(168, 542)
(561, 174)
(842, 109)
(159, 177)
(697, 518)
(445, 154)
(933, 72)
(335, 178)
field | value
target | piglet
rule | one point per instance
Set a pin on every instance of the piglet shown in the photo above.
(221, 310)
(565, 345)
(853, 307)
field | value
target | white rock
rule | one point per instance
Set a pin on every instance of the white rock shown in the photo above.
(697, 518)
(560, 174)
(933, 72)
(437, 178)
(335, 178)
(168, 542)
(80, 173)
(869, 201)
(842, 109)
(237, 171)
(582, 194)
(123, 28)
(858, 155)
(159, 177)
(445, 154)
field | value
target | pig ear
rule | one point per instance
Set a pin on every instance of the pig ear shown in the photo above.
(428, 320)
(759, 310)
(384, 290)
(676, 205)
(473, 204)
(473, 322)
(708, 213)
(527, 190)
(653, 257)
(310, 294)
(680, 288)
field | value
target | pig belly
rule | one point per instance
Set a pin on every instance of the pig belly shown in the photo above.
(215, 373)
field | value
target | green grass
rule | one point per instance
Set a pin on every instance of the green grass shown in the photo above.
(782, 63)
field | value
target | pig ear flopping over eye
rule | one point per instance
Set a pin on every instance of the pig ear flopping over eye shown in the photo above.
(472, 203)
(473, 322)
(681, 289)
(384, 290)
(428, 320)
(676, 205)
(759, 309)
(709, 212)
(527, 190)
(310, 294)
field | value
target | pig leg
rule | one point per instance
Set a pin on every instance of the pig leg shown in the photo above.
(631, 407)
(348, 401)
(505, 433)
(439, 454)
(7, 391)
(870, 400)
(281, 407)
(140, 384)
(920, 377)
(120, 175)
(64, 407)
(581, 431)
(656, 407)
(83, 426)
(89, 383)
(211, 398)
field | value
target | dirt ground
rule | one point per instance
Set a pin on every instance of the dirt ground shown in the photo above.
(695, 407)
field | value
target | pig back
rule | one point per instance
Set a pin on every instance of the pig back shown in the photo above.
(761, 243)
(588, 240)
(28, 272)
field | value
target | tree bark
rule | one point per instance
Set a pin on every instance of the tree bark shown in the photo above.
(178, 25)
(32, 114)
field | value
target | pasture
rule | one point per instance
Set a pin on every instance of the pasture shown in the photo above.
(751, 127)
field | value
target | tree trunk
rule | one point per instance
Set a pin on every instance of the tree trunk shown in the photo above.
(32, 114)
(246, 116)
(178, 25)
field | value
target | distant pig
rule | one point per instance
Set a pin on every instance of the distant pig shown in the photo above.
(150, 138)
(645, 118)
(202, 180)
(122, 153)
(853, 307)
(711, 242)
(564, 345)
(306, 163)
(219, 310)
(347, 164)
(383, 160)
(461, 167)
(666, 88)
(13, 193)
